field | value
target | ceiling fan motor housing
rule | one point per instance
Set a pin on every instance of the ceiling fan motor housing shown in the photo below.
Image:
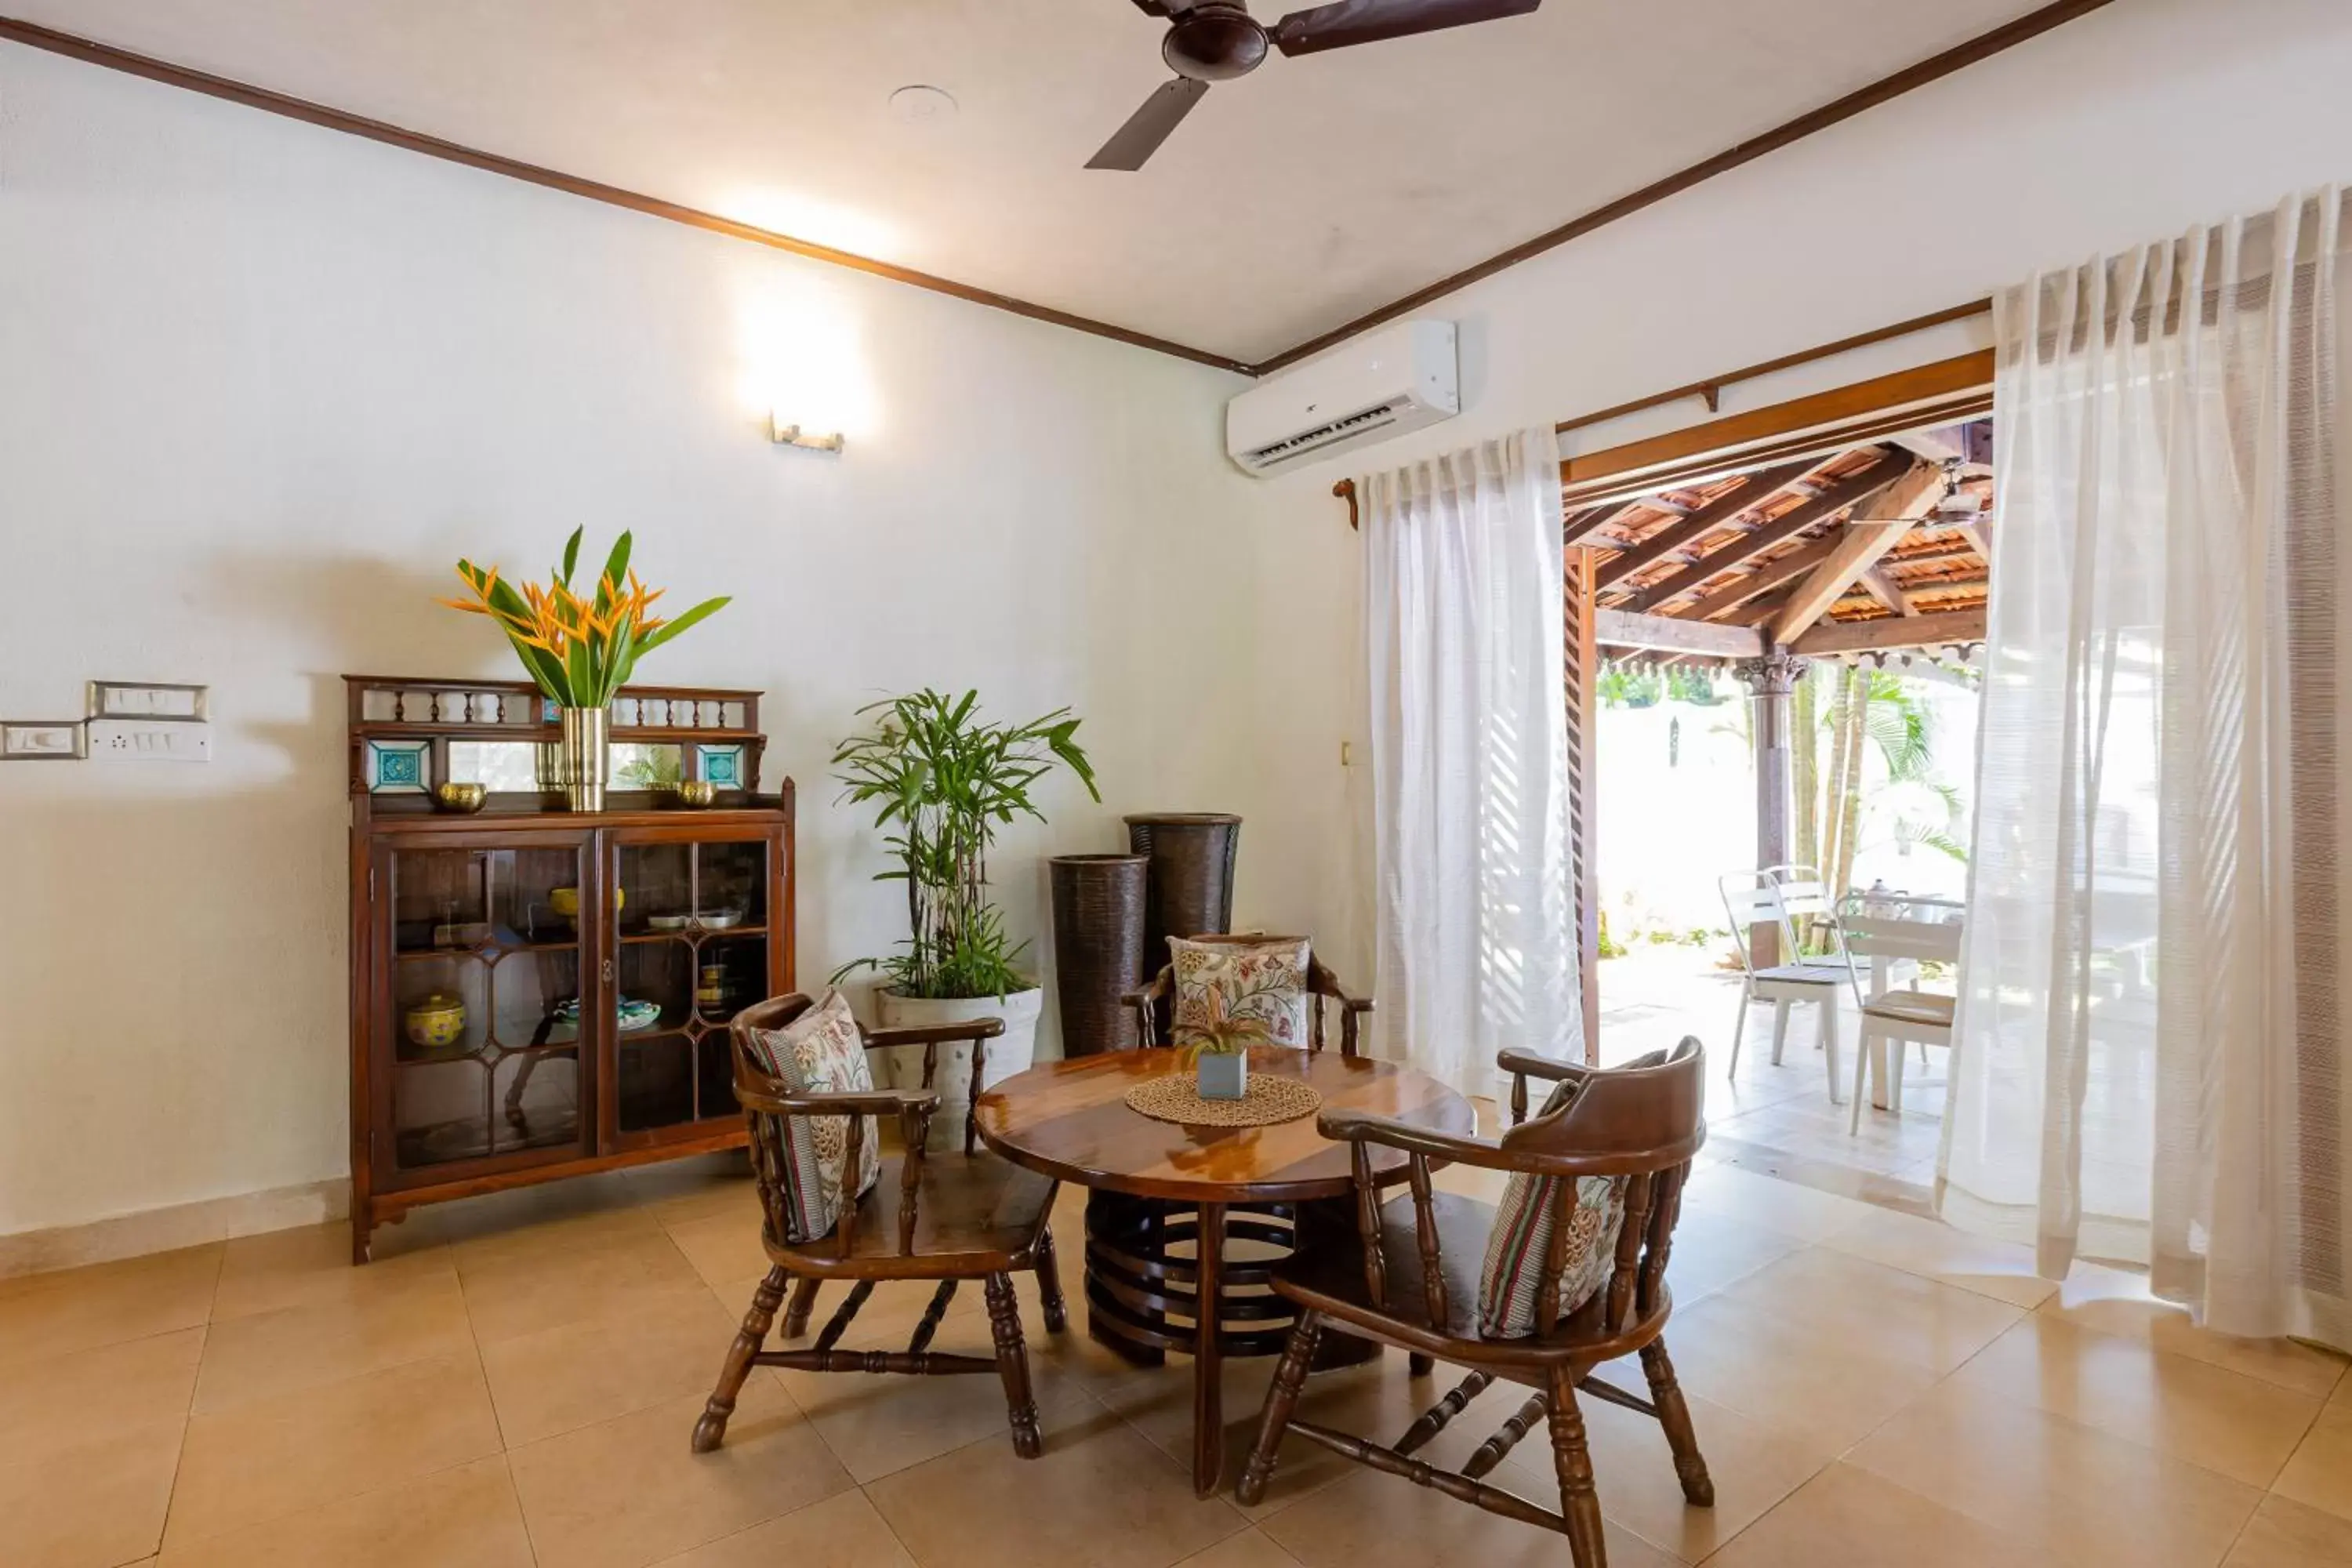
(1214, 42)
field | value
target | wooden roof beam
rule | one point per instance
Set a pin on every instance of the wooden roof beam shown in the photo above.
(1763, 580)
(1892, 632)
(1585, 524)
(1847, 492)
(1751, 493)
(1886, 590)
(1671, 633)
(1908, 499)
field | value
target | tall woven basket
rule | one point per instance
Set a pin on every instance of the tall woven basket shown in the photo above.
(1098, 919)
(1191, 876)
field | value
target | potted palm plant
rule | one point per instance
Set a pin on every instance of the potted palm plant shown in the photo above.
(942, 781)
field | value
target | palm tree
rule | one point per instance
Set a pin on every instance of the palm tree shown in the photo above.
(1879, 708)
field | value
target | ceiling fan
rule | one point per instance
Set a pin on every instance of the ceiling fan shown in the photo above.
(1959, 504)
(1216, 40)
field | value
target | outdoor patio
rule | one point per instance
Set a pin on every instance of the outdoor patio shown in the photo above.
(1774, 1121)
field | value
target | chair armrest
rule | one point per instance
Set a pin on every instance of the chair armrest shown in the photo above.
(1525, 1065)
(1533, 1066)
(841, 1102)
(1161, 986)
(933, 1034)
(1365, 1127)
(1157, 988)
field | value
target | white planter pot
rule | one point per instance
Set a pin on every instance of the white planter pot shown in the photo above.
(901, 1067)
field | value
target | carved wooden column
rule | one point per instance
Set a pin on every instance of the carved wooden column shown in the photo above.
(1770, 681)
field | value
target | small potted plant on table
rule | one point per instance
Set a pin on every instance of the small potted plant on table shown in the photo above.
(1217, 1049)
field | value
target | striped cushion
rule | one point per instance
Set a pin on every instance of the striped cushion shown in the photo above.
(820, 1052)
(1512, 1275)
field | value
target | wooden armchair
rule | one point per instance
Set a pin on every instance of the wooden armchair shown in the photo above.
(1417, 1285)
(1150, 1003)
(949, 1217)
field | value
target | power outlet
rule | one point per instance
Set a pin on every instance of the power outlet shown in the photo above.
(150, 740)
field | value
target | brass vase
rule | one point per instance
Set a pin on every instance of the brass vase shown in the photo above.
(584, 758)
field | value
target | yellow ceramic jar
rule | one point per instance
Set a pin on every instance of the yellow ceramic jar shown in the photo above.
(436, 1022)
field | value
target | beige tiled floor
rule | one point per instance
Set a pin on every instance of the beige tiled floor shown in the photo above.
(513, 1381)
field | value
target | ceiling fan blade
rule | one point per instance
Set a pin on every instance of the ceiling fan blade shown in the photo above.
(1348, 22)
(1149, 126)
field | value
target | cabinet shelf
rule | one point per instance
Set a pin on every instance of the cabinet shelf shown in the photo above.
(484, 950)
(519, 1098)
(693, 934)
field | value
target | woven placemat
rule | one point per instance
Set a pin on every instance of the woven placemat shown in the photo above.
(1270, 1098)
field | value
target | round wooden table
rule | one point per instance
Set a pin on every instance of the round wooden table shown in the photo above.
(1153, 1184)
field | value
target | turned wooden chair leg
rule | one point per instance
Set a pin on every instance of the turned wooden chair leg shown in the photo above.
(1674, 1414)
(1012, 1365)
(1289, 1377)
(1579, 1504)
(712, 1427)
(796, 1316)
(1049, 1285)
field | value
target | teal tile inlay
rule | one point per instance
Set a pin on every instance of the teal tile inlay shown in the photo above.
(397, 767)
(722, 765)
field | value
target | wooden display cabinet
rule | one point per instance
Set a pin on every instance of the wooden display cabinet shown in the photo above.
(593, 959)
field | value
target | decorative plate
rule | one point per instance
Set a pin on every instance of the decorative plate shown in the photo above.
(636, 1013)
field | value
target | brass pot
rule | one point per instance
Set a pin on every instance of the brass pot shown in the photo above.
(696, 793)
(464, 799)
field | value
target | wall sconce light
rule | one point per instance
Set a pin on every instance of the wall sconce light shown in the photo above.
(786, 435)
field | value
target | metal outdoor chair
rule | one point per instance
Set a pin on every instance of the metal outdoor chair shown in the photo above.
(1757, 897)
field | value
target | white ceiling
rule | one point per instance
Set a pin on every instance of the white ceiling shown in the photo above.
(1291, 201)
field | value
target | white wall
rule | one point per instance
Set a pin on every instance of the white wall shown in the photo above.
(261, 385)
(2118, 128)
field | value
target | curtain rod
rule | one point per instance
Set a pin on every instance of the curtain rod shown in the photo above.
(1711, 388)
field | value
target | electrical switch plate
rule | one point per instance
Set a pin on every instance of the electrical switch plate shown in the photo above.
(155, 699)
(150, 740)
(59, 742)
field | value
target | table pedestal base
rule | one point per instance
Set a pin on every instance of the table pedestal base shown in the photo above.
(1145, 1268)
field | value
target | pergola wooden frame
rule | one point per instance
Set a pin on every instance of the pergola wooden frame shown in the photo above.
(1810, 528)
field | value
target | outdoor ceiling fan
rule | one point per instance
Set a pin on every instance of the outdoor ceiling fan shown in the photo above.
(1957, 505)
(1216, 40)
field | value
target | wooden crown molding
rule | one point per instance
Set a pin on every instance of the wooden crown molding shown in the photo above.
(90, 52)
(1984, 45)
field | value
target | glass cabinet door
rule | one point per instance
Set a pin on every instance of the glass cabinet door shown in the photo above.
(693, 948)
(478, 1038)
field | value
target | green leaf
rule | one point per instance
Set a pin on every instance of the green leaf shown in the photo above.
(543, 668)
(616, 566)
(571, 553)
(669, 629)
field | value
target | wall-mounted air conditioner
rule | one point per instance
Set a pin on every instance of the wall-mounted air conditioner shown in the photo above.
(1389, 381)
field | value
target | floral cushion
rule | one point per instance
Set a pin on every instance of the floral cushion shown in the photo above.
(820, 1052)
(1512, 1275)
(1260, 981)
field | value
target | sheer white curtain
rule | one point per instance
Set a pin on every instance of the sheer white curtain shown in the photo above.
(2151, 1060)
(1463, 621)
